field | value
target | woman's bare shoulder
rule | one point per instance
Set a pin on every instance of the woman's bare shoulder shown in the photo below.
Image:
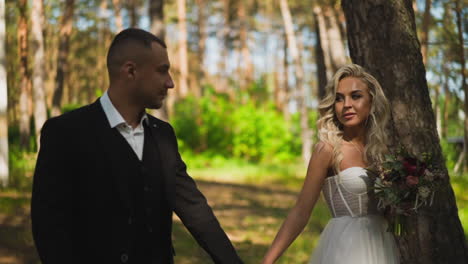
(323, 148)
(323, 152)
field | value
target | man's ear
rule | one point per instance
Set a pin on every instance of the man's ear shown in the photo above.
(129, 70)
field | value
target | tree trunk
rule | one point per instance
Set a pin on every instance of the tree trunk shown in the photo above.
(324, 40)
(425, 30)
(306, 133)
(117, 15)
(336, 47)
(222, 82)
(280, 91)
(66, 26)
(319, 60)
(183, 60)
(156, 14)
(386, 29)
(445, 111)
(40, 109)
(202, 36)
(4, 172)
(132, 12)
(464, 86)
(245, 63)
(330, 39)
(104, 40)
(285, 90)
(438, 112)
(24, 100)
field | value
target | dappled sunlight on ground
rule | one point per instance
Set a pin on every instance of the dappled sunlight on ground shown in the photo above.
(250, 214)
(16, 244)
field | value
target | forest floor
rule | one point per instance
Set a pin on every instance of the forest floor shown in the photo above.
(250, 215)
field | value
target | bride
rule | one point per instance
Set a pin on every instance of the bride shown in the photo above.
(353, 116)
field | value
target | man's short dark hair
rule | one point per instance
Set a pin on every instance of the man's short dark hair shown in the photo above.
(118, 52)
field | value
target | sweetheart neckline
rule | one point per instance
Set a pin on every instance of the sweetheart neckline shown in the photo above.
(344, 171)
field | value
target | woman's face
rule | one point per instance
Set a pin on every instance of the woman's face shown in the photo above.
(353, 102)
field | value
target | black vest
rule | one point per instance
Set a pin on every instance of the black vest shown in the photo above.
(151, 215)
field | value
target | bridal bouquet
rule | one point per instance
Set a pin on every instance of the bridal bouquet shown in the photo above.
(403, 184)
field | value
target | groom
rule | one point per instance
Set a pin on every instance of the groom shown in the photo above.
(109, 176)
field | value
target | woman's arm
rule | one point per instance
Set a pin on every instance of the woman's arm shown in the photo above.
(300, 213)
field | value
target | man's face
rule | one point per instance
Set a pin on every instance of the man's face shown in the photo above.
(153, 78)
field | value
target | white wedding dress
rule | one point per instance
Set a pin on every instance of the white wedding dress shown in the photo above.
(357, 233)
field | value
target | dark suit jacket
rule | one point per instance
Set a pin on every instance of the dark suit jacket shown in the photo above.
(80, 206)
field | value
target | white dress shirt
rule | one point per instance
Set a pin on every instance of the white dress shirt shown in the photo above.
(134, 136)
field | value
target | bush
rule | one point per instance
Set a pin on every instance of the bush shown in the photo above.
(450, 153)
(204, 125)
(262, 133)
(215, 126)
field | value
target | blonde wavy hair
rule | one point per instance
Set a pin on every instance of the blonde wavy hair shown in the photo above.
(331, 130)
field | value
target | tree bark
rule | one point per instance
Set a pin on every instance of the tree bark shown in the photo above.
(464, 86)
(330, 39)
(202, 36)
(320, 60)
(24, 100)
(306, 132)
(104, 40)
(246, 62)
(4, 170)
(285, 93)
(224, 34)
(132, 12)
(425, 30)
(382, 38)
(336, 47)
(156, 14)
(117, 15)
(66, 26)
(40, 109)
(447, 98)
(437, 111)
(183, 60)
(324, 40)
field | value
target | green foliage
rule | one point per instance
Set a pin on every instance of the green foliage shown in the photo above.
(214, 125)
(21, 164)
(262, 133)
(459, 185)
(450, 153)
(21, 159)
(70, 107)
(204, 125)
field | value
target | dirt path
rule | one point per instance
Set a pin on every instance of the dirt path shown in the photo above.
(249, 214)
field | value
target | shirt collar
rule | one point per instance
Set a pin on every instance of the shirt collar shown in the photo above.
(113, 115)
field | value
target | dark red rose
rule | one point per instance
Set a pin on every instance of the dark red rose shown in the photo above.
(422, 168)
(410, 165)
